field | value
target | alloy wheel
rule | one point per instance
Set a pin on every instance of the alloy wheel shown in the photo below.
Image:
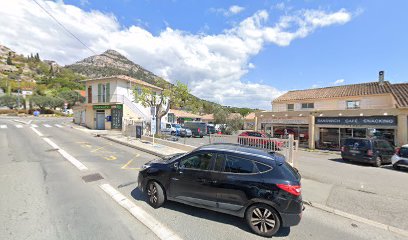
(152, 193)
(263, 220)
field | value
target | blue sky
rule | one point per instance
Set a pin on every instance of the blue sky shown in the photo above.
(350, 43)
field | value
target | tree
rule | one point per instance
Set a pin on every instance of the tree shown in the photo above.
(176, 96)
(221, 115)
(37, 57)
(9, 101)
(9, 62)
(71, 97)
(55, 102)
(234, 124)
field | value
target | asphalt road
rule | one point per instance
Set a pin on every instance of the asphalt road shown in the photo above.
(44, 197)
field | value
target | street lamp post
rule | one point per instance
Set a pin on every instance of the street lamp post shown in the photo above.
(18, 93)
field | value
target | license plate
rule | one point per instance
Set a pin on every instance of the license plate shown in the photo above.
(354, 151)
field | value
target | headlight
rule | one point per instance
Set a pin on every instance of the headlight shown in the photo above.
(145, 166)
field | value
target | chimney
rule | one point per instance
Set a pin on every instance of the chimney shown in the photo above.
(381, 77)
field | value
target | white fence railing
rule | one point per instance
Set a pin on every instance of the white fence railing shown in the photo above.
(287, 147)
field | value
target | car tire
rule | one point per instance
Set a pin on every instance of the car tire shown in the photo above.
(345, 160)
(396, 167)
(155, 194)
(263, 220)
(377, 162)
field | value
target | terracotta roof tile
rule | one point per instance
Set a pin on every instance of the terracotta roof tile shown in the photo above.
(184, 114)
(400, 93)
(370, 88)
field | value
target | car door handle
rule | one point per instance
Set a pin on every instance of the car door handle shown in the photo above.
(213, 181)
(203, 180)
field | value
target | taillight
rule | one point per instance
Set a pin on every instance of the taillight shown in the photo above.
(370, 153)
(398, 151)
(198, 129)
(292, 189)
(343, 148)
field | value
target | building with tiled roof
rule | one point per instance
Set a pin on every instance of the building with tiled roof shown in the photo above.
(324, 117)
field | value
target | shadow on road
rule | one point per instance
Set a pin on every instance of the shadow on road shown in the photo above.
(364, 164)
(207, 214)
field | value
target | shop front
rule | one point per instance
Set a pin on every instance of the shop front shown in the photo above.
(107, 116)
(282, 127)
(331, 131)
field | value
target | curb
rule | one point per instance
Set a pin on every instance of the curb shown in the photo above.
(135, 147)
(319, 151)
(357, 218)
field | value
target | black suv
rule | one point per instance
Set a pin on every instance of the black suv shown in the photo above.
(371, 150)
(242, 181)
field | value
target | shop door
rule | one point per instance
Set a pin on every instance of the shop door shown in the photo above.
(117, 115)
(100, 120)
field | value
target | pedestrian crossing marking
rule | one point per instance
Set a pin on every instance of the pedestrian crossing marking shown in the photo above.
(46, 125)
(58, 125)
(3, 126)
(19, 126)
(34, 125)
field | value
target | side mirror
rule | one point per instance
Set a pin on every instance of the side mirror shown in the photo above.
(176, 165)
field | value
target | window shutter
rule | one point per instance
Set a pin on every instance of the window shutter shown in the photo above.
(99, 92)
(108, 92)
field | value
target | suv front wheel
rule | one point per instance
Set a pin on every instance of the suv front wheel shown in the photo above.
(263, 220)
(155, 194)
(377, 162)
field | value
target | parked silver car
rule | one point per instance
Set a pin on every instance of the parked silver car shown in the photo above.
(185, 132)
(400, 158)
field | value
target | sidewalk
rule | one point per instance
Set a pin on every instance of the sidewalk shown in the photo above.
(154, 149)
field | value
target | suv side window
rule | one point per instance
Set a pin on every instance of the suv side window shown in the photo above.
(219, 162)
(200, 161)
(168, 125)
(235, 164)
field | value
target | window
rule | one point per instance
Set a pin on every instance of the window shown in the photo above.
(200, 161)
(239, 165)
(307, 105)
(291, 107)
(353, 104)
(168, 125)
(219, 162)
(263, 167)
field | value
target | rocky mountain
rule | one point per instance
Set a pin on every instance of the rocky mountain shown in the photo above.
(111, 63)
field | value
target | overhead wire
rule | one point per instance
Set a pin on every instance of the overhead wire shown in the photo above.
(64, 28)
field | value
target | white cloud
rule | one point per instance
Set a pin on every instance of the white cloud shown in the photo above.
(338, 82)
(235, 9)
(84, 2)
(315, 86)
(212, 65)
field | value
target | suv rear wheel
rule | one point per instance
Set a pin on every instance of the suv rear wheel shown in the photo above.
(377, 162)
(155, 194)
(263, 220)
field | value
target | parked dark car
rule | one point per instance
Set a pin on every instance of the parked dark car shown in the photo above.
(400, 158)
(250, 183)
(370, 150)
(259, 139)
(198, 129)
(211, 129)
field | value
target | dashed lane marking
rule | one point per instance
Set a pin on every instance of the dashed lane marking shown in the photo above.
(19, 126)
(66, 155)
(3, 126)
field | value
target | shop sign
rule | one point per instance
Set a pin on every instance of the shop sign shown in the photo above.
(371, 120)
(102, 107)
(286, 121)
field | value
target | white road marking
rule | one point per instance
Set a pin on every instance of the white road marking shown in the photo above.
(161, 231)
(3, 126)
(57, 125)
(19, 126)
(34, 125)
(46, 125)
(66, 155)
(36, 131)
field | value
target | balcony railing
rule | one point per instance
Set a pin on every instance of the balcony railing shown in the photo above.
(114, 98)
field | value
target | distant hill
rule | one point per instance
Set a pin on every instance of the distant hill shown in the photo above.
(112, 63)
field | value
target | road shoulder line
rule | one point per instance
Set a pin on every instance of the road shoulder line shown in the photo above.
(150, 222)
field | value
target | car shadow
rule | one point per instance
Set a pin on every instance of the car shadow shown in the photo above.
(207, 214)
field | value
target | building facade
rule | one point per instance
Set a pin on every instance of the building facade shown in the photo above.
(322, 117)
(110, 100)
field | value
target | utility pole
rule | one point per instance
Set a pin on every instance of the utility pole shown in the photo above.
(18, 94)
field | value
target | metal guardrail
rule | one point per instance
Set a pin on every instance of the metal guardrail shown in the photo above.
(287, 147)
